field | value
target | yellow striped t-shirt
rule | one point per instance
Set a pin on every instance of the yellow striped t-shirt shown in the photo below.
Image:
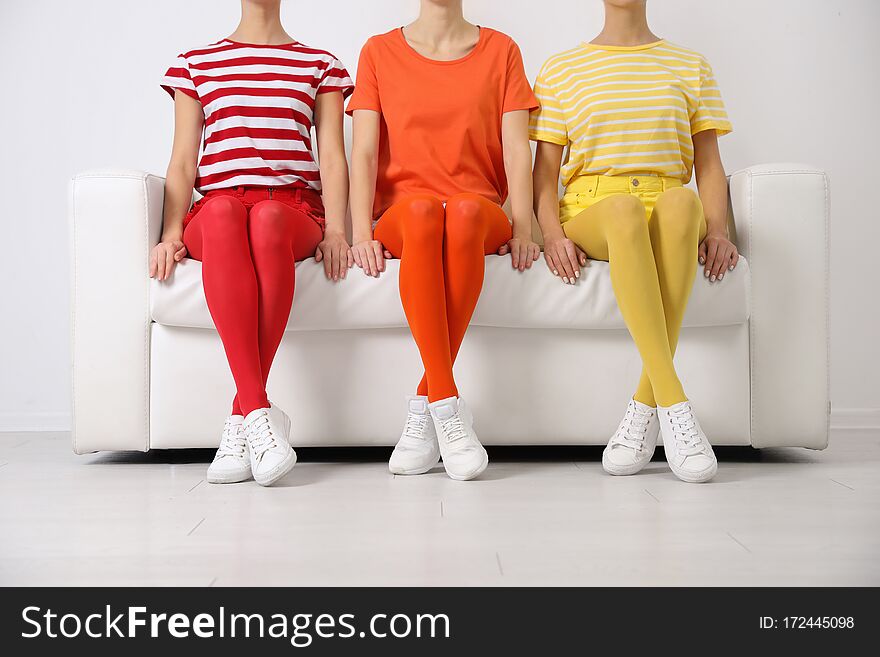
(627, 110)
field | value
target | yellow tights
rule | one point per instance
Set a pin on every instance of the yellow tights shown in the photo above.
(653, 264)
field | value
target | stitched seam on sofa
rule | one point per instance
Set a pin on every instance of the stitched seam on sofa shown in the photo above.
(123, 176)
(752, 332)
(75, 296)
(827, 309)
(785, 172)
(146, 330)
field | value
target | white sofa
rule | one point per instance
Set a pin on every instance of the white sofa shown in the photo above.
(543, 363)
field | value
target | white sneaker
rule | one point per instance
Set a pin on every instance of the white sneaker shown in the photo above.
(267, 431)
(231, 463)
(463, 456)
(688, 451)
(632, 445)
(417, 450)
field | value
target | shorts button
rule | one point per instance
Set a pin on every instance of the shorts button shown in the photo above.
(635, 182)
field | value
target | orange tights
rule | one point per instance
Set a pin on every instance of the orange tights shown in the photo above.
(442, 259)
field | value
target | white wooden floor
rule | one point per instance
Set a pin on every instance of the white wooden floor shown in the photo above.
(777, 517)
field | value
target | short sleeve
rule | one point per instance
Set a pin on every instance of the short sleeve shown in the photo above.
(335, 78)
(548, 123)
(177, 78)
(710, 113)
(366, 87)
(518, 93)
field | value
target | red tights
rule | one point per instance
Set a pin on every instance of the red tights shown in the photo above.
(248, 274)
(442, 260)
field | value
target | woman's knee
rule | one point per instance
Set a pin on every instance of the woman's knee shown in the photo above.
(422, 221)
(625, 205)
(625, 217)
(423, 208)
(465, 207)
(678, 212)
(465, 221)
(270, 225)
(223, 217)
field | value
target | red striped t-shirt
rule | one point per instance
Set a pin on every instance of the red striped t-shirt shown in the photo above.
(258, 103)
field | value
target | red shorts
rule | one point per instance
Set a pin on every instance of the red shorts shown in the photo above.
(306, 201)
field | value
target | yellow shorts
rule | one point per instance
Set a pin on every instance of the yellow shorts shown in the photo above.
(584, 191)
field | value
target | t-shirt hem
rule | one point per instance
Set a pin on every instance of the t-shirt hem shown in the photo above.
(543, 136)
(346, 91)
(722, 128)
(531, 107)
(189, 92)
(352, 107)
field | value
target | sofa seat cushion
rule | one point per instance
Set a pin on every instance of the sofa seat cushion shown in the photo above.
(532, 299)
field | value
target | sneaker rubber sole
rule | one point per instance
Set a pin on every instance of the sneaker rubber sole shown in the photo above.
(413, 471)
(278, 471)
(624, 470)
(230, 477)
(698, 478)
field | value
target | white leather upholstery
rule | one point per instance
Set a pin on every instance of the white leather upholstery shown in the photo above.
(118, 213)
(785, 236)
(530, 377)
(532, 299)
(348, 387)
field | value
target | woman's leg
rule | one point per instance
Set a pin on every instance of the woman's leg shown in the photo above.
(279, 236)
(615, 229)
(677, 226)
(412, 230)
(475, 227)
(218, 236)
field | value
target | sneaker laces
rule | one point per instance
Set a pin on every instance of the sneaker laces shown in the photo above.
(260, 435)
(453, 428)
(415, 426)
(633, 429)
(684, 429)
(231, 442)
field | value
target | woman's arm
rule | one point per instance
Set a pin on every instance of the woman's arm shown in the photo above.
(717, 253)
(333, 249)
(517, 166)
(188, 121)
(563, 257)
(368, 253)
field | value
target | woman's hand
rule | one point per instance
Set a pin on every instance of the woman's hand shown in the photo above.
(164, 256)
(370, 256)
(523, 252)
(717, 254)
(336, 255)
(565, 259)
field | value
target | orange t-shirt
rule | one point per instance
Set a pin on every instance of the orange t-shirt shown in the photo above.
(440, 120)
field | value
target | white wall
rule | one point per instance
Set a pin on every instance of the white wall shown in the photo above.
(79, 81)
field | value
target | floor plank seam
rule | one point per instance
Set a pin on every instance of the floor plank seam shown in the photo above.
(738, 542)
(198, 524)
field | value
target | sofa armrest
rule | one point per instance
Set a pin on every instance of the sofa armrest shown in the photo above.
(782, 220)
(115, 217)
